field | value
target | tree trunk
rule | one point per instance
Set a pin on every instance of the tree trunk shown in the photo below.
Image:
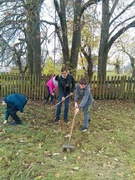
(64, 36)
(132, 59)
(33, 37)
(76, 35)
(88, 57)
(65, 46)
(103, 48)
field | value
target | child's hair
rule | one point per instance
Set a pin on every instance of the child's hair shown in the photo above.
(64, 69)
(83, 81)
(56, 78)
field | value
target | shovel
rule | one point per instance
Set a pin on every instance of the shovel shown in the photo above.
(61, 101)
(68, 146)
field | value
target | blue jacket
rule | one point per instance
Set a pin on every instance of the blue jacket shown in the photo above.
(83, 94)
(17, 101)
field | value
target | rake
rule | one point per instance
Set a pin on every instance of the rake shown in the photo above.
(68, 146)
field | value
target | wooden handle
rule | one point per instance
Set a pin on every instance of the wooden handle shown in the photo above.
(61, 100)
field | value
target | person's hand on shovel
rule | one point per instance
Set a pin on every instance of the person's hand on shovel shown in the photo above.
(71, 94)
(63, 99)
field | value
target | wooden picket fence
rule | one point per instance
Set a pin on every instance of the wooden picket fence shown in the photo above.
(34, 87)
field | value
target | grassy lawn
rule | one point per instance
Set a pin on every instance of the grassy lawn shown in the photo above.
(33, 151)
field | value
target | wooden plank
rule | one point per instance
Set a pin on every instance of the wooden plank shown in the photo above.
(106, 88)
(133, 88)
(93, 89)
(117, 87)
(97, 90)
(129, 93)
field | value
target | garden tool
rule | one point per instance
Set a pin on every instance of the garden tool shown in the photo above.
(62, 101)
(52, 108)
(68, 146)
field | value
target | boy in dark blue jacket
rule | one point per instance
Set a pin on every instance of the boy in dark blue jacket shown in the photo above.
(66, 87)
(15, 102)
(83, 93)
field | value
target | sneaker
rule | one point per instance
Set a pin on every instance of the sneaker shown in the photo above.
(15, 124)
(89, 120)
(83, 129)
(65, 120)
(56, 119)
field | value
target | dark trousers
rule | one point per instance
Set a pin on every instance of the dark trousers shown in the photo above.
(66, 102)
(48, 96)
(12, 112)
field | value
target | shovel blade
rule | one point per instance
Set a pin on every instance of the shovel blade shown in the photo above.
(67, 146)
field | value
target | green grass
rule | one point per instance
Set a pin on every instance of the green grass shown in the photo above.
(34, 151)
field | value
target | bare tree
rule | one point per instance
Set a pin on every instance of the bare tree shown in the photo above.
(132, 59)
(20, 27)
(117, 18)
(79, 7)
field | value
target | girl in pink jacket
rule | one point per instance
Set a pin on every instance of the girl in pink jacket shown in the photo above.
(52, 85)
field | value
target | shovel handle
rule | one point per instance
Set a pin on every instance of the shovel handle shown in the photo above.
(72, 126)
(62, 100)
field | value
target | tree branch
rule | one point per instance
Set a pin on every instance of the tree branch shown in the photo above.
(48, 22)
(121, 24)
(114, 6)
(87, 4)
(122, 12)
(119, 33)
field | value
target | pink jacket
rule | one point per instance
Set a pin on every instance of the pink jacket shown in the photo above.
(51, 85)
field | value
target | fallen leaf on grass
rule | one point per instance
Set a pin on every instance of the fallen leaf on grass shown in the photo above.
(57, 175)
(22, 140)
(26, 164)
(83, 151)
(47, 154)
(78, 145)
(55, 154)
(132, 167)
(76, 168)
(40, 145)
(121, 174)
(38, 177)
(65, 157)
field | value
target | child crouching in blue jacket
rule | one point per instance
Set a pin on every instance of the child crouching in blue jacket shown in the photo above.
(83, 92)
(15, 102)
